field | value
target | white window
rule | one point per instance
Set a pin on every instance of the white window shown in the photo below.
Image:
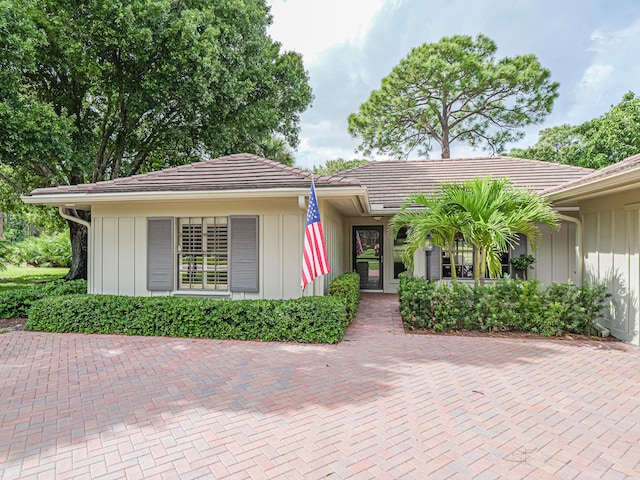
(464, 254)
(203, 253)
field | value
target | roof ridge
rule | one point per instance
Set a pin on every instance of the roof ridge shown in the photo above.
(297, 171)
(282, 166)
(432, 161)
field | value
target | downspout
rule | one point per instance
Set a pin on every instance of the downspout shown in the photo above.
(602, 330)
(67, 216)
(63, 213)
(579, 257)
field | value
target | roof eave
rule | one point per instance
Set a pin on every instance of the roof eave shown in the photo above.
(71, 199)
(621, 181)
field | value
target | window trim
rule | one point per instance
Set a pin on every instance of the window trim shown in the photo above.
(219, 288)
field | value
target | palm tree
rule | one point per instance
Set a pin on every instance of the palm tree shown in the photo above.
(488, 213)
(434, 220)
(497, 212)
(276, 149)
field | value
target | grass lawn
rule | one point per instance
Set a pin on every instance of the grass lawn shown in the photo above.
(20, 277)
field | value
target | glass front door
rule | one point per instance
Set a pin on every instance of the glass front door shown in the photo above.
(367, 256)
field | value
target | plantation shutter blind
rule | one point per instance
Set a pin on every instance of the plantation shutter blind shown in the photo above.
(160, 273)
(435, 268)
(244, 253)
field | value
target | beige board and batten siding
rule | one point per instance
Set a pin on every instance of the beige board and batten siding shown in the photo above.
(611, 256)
(119, 240)
(336, 238)
(555, 256)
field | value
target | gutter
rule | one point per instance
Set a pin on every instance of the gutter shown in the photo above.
(188, 195)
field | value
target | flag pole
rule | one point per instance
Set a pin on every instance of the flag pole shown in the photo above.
(315, 261)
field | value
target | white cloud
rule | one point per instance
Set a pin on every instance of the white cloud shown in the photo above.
(595, 79)
(323, 142)
(614, 70)
(311, 27)
(350, 45)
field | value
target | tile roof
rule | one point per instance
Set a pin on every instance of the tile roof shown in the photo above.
(232, 172)
(389, 182)
(631, 163)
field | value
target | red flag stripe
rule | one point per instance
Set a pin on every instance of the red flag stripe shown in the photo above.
(315, 261)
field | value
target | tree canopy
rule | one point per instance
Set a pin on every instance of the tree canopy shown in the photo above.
(454, 91)
(338, 165)
(596, 143)
(91, 91)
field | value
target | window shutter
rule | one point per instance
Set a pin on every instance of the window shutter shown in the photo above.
(435, 261)
(160, 253)
(244, 253)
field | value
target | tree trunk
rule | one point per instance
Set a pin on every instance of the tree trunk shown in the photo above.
(480, 269)
(446, 150)
(79, 246)
(454, 275)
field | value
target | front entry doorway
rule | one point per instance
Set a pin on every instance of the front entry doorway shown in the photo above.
(367, 256)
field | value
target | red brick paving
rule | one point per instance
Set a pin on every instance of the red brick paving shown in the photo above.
(380, 405)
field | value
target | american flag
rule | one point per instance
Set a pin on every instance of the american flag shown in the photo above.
(314, 261)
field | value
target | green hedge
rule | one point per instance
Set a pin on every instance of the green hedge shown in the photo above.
(508, 304)
(347, 287)
(16, 303)
(308, 319)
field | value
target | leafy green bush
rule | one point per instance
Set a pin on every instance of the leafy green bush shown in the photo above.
(416, 301)
(44, 251)
(576, 308)
(347, 287)
(5, 253)
(508, 304)
(453, 307)
(307, 319)
(16, 303)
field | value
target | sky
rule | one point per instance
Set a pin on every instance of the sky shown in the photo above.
(591, 48)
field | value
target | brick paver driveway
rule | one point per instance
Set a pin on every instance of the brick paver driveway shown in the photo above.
(379, 405)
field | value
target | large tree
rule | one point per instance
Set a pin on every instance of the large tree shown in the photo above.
(92, 91)
(596, 143)
(454, 91)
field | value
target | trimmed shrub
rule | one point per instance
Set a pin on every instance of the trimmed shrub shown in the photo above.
(416, 301)
(16, 303)
(510, 304)
(347, 287)
(307, 319)
(506, 305)
(575, 308)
